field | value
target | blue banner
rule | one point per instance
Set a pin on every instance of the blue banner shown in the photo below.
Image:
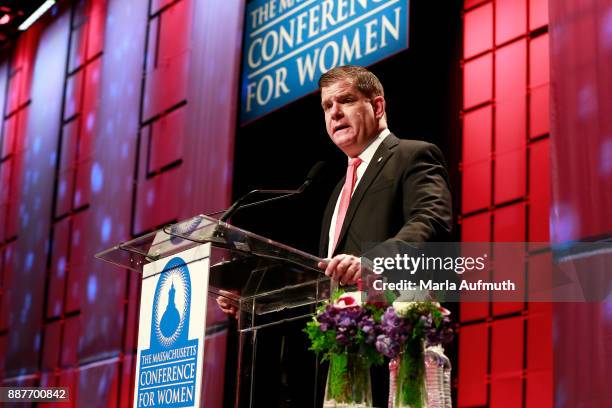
(288, 44)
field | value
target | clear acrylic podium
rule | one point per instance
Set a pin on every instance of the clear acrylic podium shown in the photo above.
(270, 284)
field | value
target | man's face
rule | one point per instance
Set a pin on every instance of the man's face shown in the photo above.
(351, 119)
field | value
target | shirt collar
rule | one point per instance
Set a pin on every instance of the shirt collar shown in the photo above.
(368, 153)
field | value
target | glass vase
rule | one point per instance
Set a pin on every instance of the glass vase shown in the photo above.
(407, 379)
(420, 380)
(348, 382)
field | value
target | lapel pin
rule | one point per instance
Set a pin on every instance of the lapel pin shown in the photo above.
(379, 159)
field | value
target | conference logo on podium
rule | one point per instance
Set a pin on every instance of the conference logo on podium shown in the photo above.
(167, 372)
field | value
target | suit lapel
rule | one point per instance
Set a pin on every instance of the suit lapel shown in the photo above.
(383, 153)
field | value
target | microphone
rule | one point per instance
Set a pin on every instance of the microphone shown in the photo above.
(313, 174)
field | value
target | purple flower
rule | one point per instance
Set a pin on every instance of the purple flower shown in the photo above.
(326, 319)
(441, 334)
(369, 328)
(395, 332)
(387, 346)
(353, 326)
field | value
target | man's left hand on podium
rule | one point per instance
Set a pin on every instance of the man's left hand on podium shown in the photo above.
(343, 268)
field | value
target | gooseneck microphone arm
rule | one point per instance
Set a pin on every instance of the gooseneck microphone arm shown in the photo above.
(238, 203)
(312, 175)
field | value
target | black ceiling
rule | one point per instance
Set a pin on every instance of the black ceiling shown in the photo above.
(18, 11)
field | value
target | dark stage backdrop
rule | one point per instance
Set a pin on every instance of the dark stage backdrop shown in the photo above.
(117, 117)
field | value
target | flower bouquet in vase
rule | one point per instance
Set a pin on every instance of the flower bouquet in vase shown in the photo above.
(407, 329)
(344, 333)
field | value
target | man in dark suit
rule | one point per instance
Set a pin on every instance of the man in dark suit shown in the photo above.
(395, 192)
(399, 189)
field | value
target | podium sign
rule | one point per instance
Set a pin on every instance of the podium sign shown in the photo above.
(171, 330)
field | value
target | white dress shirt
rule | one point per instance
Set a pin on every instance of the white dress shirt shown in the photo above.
(366, 157)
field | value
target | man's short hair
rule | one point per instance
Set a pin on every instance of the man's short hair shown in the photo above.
(365, 81)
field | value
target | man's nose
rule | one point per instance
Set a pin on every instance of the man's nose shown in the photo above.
(336, 111)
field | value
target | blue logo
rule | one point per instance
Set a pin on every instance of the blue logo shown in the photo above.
(184, 229)
(171, 305)
(168, 371)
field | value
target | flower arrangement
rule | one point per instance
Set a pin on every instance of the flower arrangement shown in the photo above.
(344, 332)
(346, 326)
(406, 328)
(352, 336)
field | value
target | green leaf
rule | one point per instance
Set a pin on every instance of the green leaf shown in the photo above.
(410, 381)
(338, 377)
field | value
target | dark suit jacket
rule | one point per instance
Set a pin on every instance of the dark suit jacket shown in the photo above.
(403, 197)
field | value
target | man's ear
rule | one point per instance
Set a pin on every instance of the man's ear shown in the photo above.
(379, 105)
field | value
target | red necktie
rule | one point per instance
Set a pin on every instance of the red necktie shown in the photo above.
(345, 199)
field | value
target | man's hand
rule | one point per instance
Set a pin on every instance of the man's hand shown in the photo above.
(225, 305)
(343, 268)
